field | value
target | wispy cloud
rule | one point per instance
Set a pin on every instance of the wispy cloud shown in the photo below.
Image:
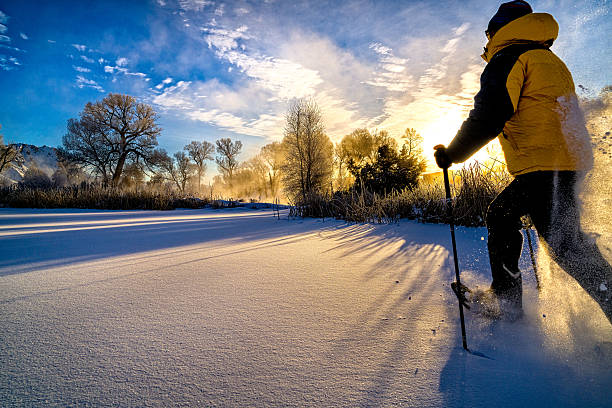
(120, 68)
(3, 28)
(392, 74)
(8, 63)
(3, 18)
(80, 47)
(83, 82)
(4, 38)
(87, 59)
(241, 11)
(163, 83)
(24, 36)
(81, 69)
(195, 5)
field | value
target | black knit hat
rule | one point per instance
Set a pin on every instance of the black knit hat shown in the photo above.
(508, 12)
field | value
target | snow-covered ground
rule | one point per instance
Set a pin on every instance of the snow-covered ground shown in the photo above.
(236, 308)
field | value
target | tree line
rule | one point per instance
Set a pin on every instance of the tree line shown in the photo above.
(115, 141)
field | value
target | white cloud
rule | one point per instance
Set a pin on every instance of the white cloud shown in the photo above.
(164, 82)
(8, 47)
(194, 5)
(242, 111)
(284, 78)
(462, 29)
(101, 61)
(81, 69)
(138, 74)
(161, 2)
(219, 11)
(87, 59)
(83, 82)
(241, 11)
(3, 18)
(8, 64)
(24, 36)
(423, 85)
(3, 29)
(440, 97)
(80, 47)
(391, 74)
(4, 38)
(51, 41)
(120, 68)
(225, 39)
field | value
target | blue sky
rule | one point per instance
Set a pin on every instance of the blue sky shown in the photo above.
(216, 68)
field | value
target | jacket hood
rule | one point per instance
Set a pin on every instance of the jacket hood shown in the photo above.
(531, 28)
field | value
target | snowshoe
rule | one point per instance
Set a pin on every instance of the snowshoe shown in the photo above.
(487, 303)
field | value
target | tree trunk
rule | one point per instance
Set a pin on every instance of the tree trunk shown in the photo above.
(119, 169)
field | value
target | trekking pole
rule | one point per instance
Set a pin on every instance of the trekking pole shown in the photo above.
(449, 210)
(527, 224)
(533, 262)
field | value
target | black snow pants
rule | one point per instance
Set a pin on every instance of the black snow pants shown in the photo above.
(550, 199)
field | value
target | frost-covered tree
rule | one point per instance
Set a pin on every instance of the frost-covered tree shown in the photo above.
(273, 157)
(111, 133)
(177, 168)
(200, 152)
(308, 151)
(227, 157)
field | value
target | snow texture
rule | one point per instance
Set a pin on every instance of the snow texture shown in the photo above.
(237, 308)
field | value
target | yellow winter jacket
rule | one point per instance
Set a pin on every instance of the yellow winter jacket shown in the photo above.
(527, 99)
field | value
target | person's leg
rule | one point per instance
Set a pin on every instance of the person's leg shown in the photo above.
(505, 241)
(557, 219)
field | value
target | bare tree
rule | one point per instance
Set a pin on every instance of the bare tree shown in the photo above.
(199, 153)
(273, 157)
(308, 165)
(341, 160)
(413, 142)
(86, 146)
(178, 168)
(227, 157)
(110, 133)
(413, 149)
(10, 154)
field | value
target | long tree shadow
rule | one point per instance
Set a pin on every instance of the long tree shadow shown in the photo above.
(412, 262)
(415, 260)
(56, 238)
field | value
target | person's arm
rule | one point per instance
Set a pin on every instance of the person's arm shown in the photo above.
(494, 105)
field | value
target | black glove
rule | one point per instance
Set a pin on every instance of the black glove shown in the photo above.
(442, 159)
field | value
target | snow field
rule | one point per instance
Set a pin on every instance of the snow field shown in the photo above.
(235, 308)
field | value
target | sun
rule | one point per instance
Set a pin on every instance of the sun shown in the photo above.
(442, 128)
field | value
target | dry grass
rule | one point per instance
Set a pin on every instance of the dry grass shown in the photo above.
(474, 190)
(95, 197)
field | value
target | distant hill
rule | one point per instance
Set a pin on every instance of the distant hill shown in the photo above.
(44, 158)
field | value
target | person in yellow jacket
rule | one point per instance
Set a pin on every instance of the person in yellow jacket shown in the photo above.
(527, 100)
